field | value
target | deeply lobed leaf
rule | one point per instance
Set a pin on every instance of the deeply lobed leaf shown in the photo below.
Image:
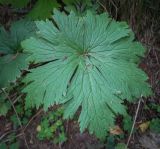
(91, 62)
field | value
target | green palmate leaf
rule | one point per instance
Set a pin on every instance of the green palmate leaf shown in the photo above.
(91, 62)
(43, 9)
(12, 59)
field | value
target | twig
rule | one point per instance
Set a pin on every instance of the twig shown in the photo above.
(16, 99)
(21, 129)
(16, 116)
(155, 53)
(67, 126)
(102, 6)
(6, 133)
(114, 5)
(3, 135)
(134, 122)
(9, 139)
(32, 119)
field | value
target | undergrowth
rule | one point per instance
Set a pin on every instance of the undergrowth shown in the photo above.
(79, 58)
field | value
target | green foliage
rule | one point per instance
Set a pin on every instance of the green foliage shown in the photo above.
(11, 144)
(24, 118)
(91, 62)
(3, 146)
(15, 3)
(110, 142)
(43, 9)
(155, 125)
(69, 2)
(121, 146)
(23, 114)
(14, 145)
(127, 123)
(51, 127)
(4, 105)
(12, 58)
(80, 6)
(155, 107)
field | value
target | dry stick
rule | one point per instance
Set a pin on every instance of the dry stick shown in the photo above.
(134, 122)
(5, 134)
(114, 5)
(17, 117)
(16, 99)
(9, 139)
(1, 137)
(102, 6)
(32, 119)
(155, 53)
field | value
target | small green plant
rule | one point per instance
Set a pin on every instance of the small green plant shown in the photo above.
(80, 6)
(121, 146)
(23, 114)
(127, 123)
(155, 107)
(5, 105)
(155, 125)
(11, 144)
(51, 127)
(112, 142)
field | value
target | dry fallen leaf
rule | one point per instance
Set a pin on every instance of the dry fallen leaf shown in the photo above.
(116, 130)
(144, 126)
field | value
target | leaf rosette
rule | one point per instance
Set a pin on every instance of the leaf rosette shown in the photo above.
(90, 62)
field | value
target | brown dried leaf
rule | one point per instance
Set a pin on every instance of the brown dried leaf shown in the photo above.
(144, 126)
(116, 130)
